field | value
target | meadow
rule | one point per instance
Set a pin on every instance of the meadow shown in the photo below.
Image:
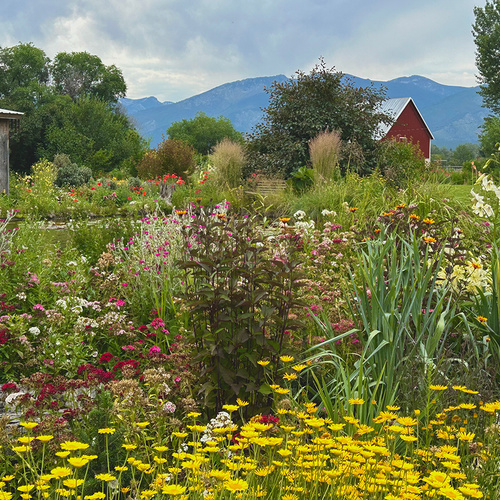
(340, 343)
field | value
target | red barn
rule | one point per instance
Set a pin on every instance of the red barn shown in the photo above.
(408, 124)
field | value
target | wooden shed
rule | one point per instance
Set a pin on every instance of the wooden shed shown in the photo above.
(408, 124)
(7, 118)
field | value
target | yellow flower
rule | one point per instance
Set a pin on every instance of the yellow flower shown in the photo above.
(466, 436)
(78, 461)
(160, 448)
(428, 221)
(393, 408)
(129, 447)
(281, 390)
(236, 485)
(263, 363)
(8, 478)
(408, 439)
(105, 477)
(287, 359)
(62, 454)
(429, 239)
(438, 387)
(284, 219)
(73, 445)
(121, 468)
(28, 425)
(290, 376)
(21, 449)
(45, 439)
(407, 421)
(98, 495)
(230, 408)
(193, 414)
(25, 488)
(72, 483)
(59, 472)
(357, 401)
(5, 495)
(26, 439)
(299, 368)
(142, 425)
(173, 489)
(107, 430)
(242, 403)
(148, 493)
(482, 319)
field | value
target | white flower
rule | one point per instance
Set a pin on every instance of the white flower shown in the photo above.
(299, 215)
(34, 330)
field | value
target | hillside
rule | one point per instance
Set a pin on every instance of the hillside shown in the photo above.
(453, 113)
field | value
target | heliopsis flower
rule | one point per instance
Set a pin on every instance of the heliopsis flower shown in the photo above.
(72, 483)
(353, 209)
(107, 430)
(25, 488)
(160, 448)
(78, 461)
(242, 403)
(59, 472)
(263, 362)
(142, 425)
(290, 376)
(357, 401)
(427, 220)
(299, 368)
(45, 438)
(62, 454)
(105, 477)
(5, 495)
(287, 359)
(466, 436)
(281, 390)
(28, 425)
(284, 219)
(73, 446)
(173, 489)
(98, 495)
(21, 449)
(148, 493)
(129, 447)
(193, 414)
(230, 408)
(236, 485)
(438, 387)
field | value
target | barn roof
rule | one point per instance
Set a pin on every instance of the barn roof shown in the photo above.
(10, 115)
(394, 108)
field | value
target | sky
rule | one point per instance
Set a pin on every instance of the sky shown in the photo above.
(174, 49)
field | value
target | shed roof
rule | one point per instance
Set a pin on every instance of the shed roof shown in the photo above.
(10, 115)
(394, 108)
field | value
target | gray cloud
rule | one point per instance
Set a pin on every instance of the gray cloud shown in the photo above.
(176, 48)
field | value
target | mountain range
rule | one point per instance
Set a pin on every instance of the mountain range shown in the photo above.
(452, 113)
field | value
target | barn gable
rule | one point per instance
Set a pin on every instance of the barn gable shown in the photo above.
(408, 124)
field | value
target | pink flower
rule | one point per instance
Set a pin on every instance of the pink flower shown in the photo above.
(120, 303)
(154, 350)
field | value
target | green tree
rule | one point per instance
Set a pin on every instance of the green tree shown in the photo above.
(489, 137)
(486, 31)
(80, 74)
(204, 132)
(22, 67)
(302, 107)
(171, 156)
(92, 134)
(464, 153)
(69, 107)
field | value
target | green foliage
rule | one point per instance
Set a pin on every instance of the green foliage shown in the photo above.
(486, 31)
(400, 162)
(228, 160)
(489, 136)
(302, 179)
(239, 297)
(204, 132)
(172, 156)
(69, 107)
(404, 316)
(70, 174)
(306, 105)
(80, 74)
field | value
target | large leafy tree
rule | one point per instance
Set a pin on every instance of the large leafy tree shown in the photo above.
(486, 31)
(80, 74)
(301, 107)
(70, 107)
(204, 132)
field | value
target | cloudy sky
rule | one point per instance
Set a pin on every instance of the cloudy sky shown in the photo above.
(174, 49)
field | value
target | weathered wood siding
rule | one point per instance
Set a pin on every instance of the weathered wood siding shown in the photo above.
(4, 156)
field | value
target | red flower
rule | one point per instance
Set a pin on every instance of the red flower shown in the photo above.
(107, 356)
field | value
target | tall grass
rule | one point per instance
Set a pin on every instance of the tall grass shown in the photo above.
(228, 160)
(324, 151)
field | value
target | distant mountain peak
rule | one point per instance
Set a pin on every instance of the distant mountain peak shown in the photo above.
(453, 113)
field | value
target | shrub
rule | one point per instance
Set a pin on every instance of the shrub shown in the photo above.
(228, 159)
(70, 174)
(324, 151)
(172, 156)
(400, 162)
